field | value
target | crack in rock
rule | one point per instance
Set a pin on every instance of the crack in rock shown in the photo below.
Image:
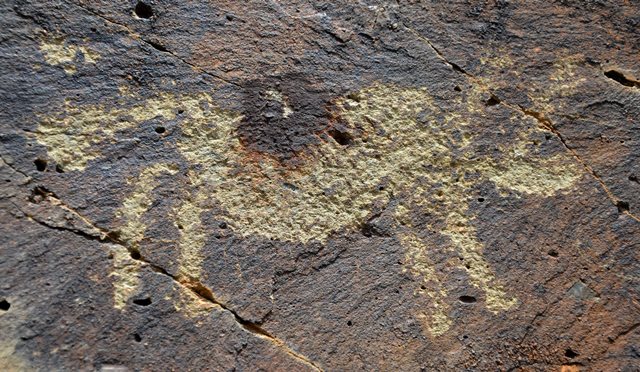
(541, 117)
(97, 234)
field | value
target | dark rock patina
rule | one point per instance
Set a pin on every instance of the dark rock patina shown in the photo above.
(347, 185)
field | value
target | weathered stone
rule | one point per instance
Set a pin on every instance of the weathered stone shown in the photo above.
(319, 186)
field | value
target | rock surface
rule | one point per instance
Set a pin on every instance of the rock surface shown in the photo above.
(301, 185)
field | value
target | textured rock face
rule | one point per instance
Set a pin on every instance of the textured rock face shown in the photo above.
(294, 185)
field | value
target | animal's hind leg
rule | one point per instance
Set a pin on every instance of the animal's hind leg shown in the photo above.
(420, 266)
(463, 236)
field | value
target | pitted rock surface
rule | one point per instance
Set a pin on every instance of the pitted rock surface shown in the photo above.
(308, 185)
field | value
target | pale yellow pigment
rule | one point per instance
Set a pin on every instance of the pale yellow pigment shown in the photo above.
(57, 51)
(126, 276)
(401, 141)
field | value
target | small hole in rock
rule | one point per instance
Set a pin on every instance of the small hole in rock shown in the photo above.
(553, 253)
(223, 225)
(480, 199)
(465, 337)
(457, 68)
(342, 138)
(160, 130)
(623, 206)
(4, 305)
(180, 112)
(492, 101)
(135, 255)
(381, 188)
(137, 337)
(467, 299)
(38, 194)
(349, 323)
(367, 230)
(229, 17)
(142, 301)
(457, 89)
(59, 168)
(354, 97)
(157, 46)
(423, 287)
(143, 10)
(619, 77)
(570, 353)
(633, 178)
(41, 165)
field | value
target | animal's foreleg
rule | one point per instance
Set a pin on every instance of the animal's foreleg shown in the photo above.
(192, 236)
(132, 229)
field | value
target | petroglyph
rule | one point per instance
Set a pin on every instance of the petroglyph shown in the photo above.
(58, 51)
(399, 142)
(72, 135)
(546, 96)
(278, 97)
(10, 361)
(126, 276)
(186, 301)
(137, 203)
(417, 258)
